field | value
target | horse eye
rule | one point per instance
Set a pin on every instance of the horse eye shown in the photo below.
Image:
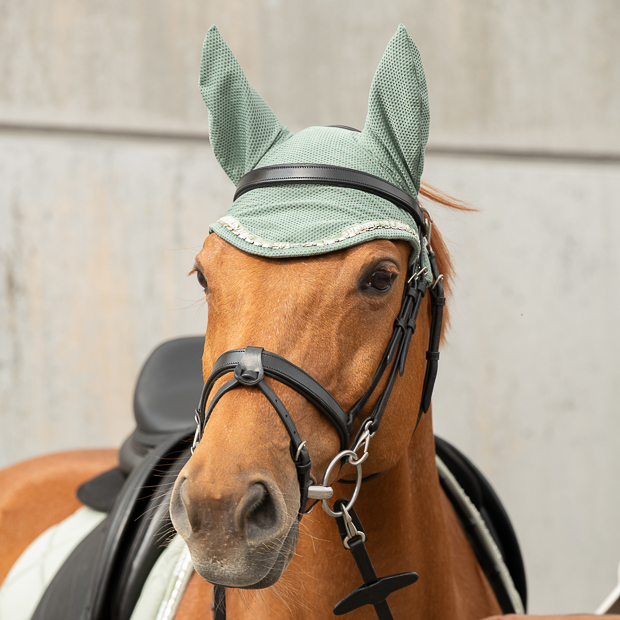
(202, 280)
(381, 280)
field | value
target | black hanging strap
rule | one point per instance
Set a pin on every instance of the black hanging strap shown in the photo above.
(438, 301)
(398, 346)
(219, 603)
(374, 591)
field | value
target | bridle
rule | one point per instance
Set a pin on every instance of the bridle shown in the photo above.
(251, 365)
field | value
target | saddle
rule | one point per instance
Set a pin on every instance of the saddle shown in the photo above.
(104, 575)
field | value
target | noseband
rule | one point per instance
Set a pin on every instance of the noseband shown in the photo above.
(251, 365)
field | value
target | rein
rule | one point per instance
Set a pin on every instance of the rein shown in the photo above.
(251, 365)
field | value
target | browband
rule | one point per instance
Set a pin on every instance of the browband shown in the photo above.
(324, 174)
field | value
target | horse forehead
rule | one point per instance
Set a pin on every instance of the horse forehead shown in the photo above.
(231, 259)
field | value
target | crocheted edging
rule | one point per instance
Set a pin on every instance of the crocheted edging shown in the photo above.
(234, 226)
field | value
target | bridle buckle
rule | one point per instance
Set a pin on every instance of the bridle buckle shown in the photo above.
(352, 531)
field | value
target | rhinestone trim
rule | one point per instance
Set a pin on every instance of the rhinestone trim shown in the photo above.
(234, 225)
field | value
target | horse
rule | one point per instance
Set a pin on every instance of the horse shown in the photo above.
(330, 314)
(236, 500)
(246, 500)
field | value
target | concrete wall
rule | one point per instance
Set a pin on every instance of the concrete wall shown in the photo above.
(107, 187)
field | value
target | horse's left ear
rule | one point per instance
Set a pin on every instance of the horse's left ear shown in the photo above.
(398, 116)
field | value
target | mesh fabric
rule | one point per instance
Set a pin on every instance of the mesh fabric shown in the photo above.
(307, 219)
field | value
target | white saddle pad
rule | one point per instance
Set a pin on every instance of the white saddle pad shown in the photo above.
(30, 576)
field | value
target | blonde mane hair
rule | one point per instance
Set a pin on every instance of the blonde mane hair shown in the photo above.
(444, 261)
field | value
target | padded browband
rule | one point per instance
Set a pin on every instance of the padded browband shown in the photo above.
(323, 174)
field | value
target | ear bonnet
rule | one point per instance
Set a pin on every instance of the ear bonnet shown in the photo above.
(307, 219)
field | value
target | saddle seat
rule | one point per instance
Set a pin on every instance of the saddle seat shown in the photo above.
(166, 395)
(114, 561)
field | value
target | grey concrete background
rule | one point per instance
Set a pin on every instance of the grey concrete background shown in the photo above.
(107, 187)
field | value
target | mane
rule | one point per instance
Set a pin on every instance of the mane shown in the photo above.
(442, 255)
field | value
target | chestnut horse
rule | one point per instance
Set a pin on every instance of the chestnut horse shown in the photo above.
(236, 500)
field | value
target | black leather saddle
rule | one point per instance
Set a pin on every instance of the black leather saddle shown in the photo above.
(103, 577)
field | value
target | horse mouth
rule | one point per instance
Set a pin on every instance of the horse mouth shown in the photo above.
(246, 568)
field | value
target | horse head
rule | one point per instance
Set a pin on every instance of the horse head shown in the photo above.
(315, 273)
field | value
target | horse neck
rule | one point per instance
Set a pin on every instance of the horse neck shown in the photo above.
(410, 527)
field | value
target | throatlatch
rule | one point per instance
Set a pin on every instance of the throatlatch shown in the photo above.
(251, 365)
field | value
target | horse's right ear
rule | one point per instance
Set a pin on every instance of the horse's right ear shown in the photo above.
(242, 127)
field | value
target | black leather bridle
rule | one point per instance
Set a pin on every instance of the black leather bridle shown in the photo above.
(251, 365)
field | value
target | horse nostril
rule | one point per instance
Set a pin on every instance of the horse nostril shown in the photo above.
(262, 518)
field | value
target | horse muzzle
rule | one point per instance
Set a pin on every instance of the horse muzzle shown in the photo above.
(240, 533)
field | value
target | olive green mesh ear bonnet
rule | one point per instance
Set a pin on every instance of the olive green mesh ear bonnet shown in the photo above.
(301, 220)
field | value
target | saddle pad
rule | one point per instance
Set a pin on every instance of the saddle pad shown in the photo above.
(485, 548)
(30, 576)
(166, 583)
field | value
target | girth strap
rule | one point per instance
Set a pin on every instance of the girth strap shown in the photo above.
(105, 574)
